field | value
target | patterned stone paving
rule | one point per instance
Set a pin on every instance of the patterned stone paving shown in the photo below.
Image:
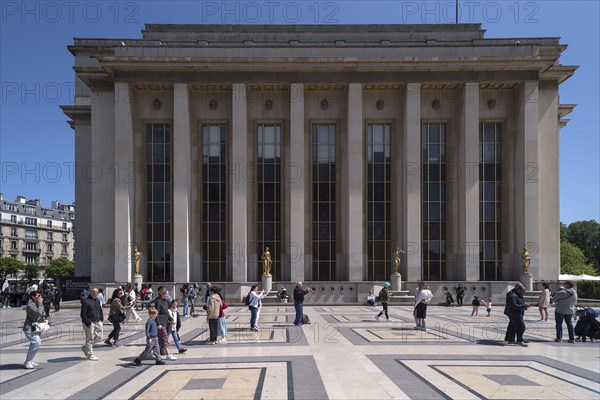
(344, 354)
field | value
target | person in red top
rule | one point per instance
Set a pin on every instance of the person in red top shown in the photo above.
(222, 324)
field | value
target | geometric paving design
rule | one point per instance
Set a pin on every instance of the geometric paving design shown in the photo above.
(344, 353)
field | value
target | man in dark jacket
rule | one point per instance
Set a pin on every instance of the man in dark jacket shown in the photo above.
(514, 310)
(91, 318)
(299, 294)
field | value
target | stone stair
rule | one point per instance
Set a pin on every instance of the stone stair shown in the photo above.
(401, 298)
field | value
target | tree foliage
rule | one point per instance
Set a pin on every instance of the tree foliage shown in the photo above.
(573, 261)
(586, 236)
(32, 272)
(60, 267)
(9, 266)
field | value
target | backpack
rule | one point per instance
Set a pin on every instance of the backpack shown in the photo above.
(305, 319)
(247, 301)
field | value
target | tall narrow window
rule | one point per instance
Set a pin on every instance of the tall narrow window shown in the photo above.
(214, 201)
(323, 202)
(490, 178)
(159, 202)
(379, 218)
(433, 201)
(268, 173)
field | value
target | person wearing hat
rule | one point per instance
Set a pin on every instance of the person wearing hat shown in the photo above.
(384, 297)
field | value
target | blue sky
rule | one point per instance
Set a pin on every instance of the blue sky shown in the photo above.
(36, 76)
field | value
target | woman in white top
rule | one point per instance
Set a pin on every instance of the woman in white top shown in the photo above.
(544, 302)
(254, 306)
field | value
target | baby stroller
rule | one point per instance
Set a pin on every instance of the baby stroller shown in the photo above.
(450, 300)
(587, 326)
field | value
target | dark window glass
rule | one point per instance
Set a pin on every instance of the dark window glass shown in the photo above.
(433, 200)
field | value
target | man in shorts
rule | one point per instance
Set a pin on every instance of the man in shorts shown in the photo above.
(424, 295)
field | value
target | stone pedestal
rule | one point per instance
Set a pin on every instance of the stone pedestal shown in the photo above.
(527, 281)
(138, 278)
(396, 281)
(267, 282)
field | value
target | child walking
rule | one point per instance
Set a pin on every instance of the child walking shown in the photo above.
(488, 306)
(174, 325)
(152, 350)
(476, 303)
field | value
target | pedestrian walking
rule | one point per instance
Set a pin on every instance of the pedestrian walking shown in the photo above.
(174, 325)
(116, 316)
(384, 297)
(514, 310)
(255, 301)
(544, 302)
(91, 319)
(34, 313)
(420, 312)
(460, 294)
(152, 349)
(213, 308)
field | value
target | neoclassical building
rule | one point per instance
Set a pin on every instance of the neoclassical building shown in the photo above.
(329, 144)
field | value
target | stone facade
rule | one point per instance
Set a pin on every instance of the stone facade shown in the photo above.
(35, 234)
(352, 77)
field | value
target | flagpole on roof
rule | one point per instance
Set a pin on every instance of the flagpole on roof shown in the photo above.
(456, 21)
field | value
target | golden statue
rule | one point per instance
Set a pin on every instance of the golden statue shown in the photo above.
(526, 260)
(136, 260)
(397, 254)
(266, 260)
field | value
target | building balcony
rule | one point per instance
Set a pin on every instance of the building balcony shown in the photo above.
(13, 251)
(36, 251)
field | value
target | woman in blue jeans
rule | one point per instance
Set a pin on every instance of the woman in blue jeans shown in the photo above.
(254, 306)
(35, 313)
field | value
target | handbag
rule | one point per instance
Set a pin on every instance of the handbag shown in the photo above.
(40, 326)
(116, 318)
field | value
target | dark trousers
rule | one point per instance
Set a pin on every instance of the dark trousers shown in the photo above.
(516, 326)
(253, 315)
(459, 300)
(212, 327)
(299, 307)
(57, 306)
(384, 304)
(114, 334)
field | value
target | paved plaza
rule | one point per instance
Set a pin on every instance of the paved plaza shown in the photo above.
(344, 354)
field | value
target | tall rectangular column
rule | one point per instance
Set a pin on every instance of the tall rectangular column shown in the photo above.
(124, 186)
(411, 173)
(181, 183)
(296, 185)
(527, 196)
(468, 184)
(356, 201)
(238, 184)
(102, 249)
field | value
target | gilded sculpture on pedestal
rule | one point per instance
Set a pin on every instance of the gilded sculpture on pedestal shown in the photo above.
(397, 254)
(526, 260)
(266, 260)
(136, 260)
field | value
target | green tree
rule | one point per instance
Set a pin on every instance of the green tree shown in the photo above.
(572, 260)
(9, 266)
(563, 232)
(60, 267)
(586, 236)
(32, 272)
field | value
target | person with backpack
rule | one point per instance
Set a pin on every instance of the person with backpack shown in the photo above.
(299, 294)
(384, 297)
